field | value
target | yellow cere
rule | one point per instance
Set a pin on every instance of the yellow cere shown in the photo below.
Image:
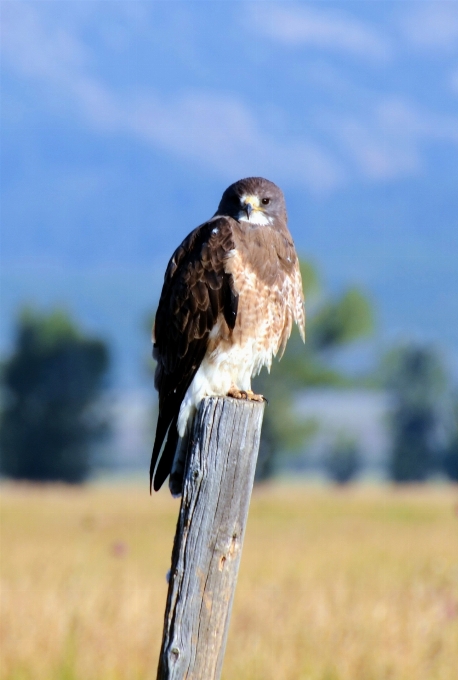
(253, 201)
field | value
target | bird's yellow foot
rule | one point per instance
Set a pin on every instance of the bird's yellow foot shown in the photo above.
(249, 395)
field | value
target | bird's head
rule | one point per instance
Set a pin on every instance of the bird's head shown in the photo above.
(254, 200)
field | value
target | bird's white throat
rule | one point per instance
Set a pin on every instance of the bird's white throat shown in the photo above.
(257, 218)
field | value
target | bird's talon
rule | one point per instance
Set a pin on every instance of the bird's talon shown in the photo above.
(235, 393)
(246, 395)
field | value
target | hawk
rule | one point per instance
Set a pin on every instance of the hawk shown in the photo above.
(231, 292)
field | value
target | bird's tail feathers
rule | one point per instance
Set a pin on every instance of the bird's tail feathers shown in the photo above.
(164, 426)
(176, 478)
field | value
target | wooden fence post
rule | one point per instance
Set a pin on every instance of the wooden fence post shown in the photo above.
(208, 541)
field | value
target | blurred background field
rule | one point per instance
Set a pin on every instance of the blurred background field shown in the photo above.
(359, 584)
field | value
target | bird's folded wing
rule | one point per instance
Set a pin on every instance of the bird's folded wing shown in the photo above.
(196, 290)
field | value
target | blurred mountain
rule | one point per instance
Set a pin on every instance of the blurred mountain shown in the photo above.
(122, 123)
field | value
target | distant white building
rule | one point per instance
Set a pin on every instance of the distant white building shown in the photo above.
(359, 415)
(133, 420)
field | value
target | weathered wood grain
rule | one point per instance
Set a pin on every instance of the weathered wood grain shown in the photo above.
(209, 537)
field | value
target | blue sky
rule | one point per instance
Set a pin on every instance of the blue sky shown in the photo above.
(122, 123)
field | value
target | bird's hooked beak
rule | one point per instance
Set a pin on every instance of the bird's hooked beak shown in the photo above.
(248, 208)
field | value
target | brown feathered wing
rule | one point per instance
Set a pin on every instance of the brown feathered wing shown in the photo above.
(196, 291)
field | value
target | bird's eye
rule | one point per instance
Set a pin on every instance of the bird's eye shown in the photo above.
(265, 201)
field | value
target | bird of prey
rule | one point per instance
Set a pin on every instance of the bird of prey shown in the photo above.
(231, 292)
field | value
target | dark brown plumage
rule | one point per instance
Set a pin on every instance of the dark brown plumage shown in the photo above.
(230, 293)
(196, 291)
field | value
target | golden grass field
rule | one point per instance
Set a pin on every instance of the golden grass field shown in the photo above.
(359, 584)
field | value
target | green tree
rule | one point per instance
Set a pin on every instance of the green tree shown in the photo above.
(51, 384)
(343, 460)
(332, 323)
(416, 379)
